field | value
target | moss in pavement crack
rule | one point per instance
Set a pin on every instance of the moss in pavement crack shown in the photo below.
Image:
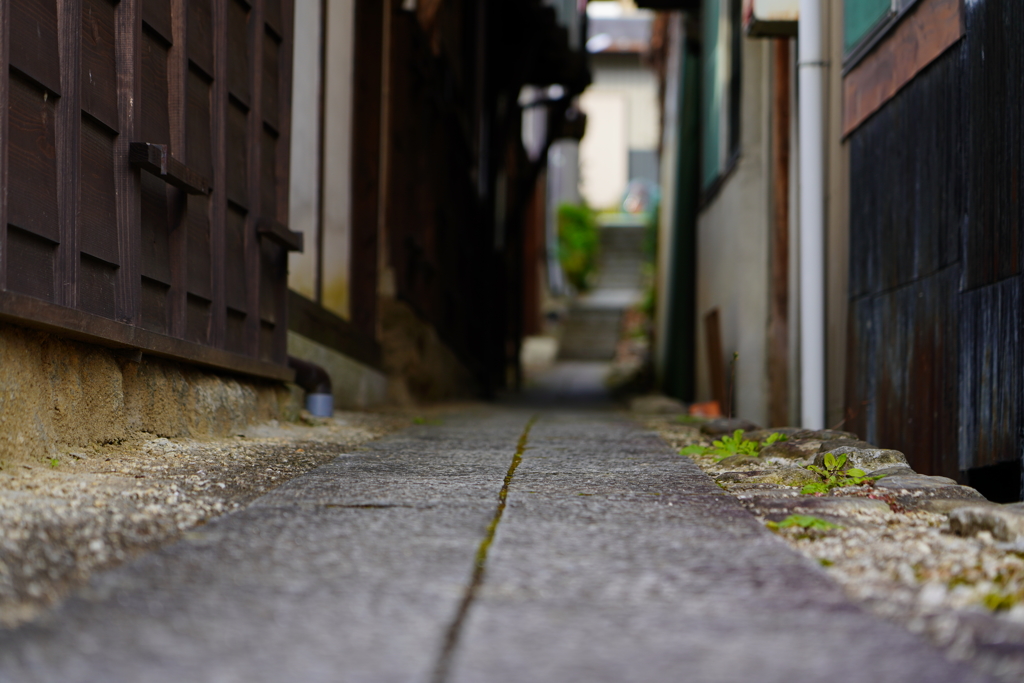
(480, 561)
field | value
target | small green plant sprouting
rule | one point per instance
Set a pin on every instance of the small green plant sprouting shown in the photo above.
(803, 522)
(733, 445)
(999, 602)
(833, 476)
(54, 463)
(419, 420)
(825, 562)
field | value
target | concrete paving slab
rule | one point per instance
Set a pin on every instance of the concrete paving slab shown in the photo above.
(612, 559)
(682, 586)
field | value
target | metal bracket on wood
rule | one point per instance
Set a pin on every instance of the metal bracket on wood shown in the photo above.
(271, 229)
(156, 159)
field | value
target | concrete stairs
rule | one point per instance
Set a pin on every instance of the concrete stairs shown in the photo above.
(591, 329)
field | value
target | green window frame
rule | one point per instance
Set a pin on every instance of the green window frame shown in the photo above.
(722, 54)
(861, 17)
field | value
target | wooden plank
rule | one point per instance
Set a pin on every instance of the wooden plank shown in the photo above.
(219, 204)
(177, 73)
(236, 126)
(922, 35)
(285, 15)
(716, 359)
(990, 381)
(97, 283)
(97, 228)
(239, 43)
(778, 321)
(199, 266)
(235, 267)
(276, 15)
(279, 233)
(156, 16)
(271, 86)
(99, 62)
(315, 322)
(198, 129)
(5, 82)
(154, 117)
(200, 35)
(155, 231)
(157, 160)
(34, 44)
(32, 159)
(254, 131)
(127, 180)
(69, 134)
(267, 199)
(31, 264)
(31, 312)
(366, 163)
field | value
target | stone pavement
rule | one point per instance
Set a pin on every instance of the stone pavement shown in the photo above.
(500, 545)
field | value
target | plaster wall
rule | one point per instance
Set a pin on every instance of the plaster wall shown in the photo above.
(355, 386)
(622, 115)
(733, 247)
(306, 184)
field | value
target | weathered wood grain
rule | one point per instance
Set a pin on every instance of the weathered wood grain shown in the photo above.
(924, 34)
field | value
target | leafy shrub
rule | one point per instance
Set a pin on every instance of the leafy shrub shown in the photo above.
(577, 244)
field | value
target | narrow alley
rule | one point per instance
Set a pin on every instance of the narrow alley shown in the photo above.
(481, 341)
(505, 544)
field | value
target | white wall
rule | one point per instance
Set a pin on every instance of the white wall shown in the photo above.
(338, 156)
(604, 154)
(305, 179)
(622, 114)
(733, 247)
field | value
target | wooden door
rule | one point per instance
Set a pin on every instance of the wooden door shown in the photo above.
(146, 172)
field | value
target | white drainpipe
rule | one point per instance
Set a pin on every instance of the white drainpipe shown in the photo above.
(810, 71)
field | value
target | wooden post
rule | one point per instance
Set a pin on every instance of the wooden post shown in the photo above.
(716, 358)
(366, 176)
(778, 326)
(126, 178)
(218, 205)
(68, 135)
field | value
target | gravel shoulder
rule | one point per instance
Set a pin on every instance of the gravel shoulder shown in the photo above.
(97, 508)
(902, 548)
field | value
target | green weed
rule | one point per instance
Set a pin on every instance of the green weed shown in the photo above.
(803, 522)
(733, 445)
(999, 602)
(833, 476)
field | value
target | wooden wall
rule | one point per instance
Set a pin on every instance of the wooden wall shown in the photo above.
(145, 166)
(934, 366)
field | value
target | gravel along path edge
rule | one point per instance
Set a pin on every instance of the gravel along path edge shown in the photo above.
(922, 551)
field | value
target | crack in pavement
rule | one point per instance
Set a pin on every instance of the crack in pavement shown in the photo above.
(451, 640)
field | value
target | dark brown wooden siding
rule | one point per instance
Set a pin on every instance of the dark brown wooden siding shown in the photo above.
(934, 354)
(157, 246)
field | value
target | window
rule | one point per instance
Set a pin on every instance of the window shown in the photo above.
(720, 96)
(864, 20)
(859, 17)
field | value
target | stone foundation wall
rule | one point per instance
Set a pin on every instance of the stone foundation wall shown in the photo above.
(57, 395)
(420, 367)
